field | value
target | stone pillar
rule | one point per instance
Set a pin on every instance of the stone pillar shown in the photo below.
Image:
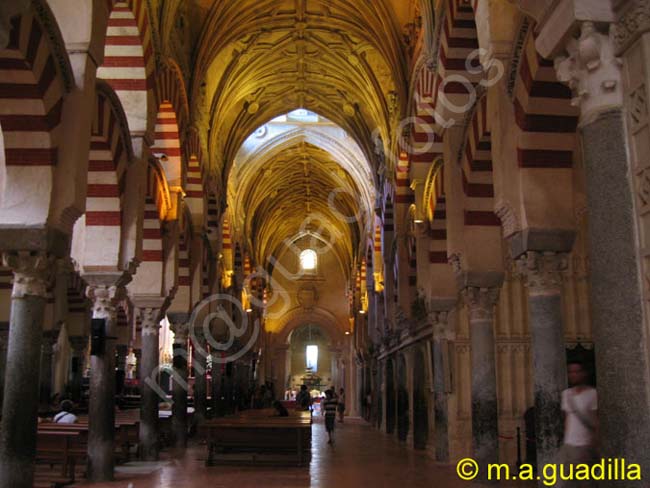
(137, 352)
(101, 409)
(121, 352)
(20, 406)
(485, 426)
(544, 281)
(79, 345)
(179, 393)
(617, 233)
(147, 366)
(4, 341)
(199, 365)
(440, 321)
(47, 352)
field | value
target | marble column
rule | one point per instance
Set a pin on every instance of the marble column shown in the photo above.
(180, 384)
(121, 352)
(440, 321)
(485, 426)
(47, 352)
(78, 345)
(4, 342)
(617, 223)
(199, 365)
(21, 390)
(543, 274)
(101, 409)
(137, 352)
(148, 363)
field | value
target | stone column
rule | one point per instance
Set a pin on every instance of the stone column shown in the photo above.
(485, 426)
(147, 366)
(617, 234)
(543, 273)
(137, 352)
(79, 345)
(20, 406)
(121, 351)
(101, 409)
(4, 342)
(199, 365)
(179, 393)
(47, 352)
(440, 321)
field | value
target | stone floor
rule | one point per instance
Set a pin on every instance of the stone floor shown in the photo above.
(361, 457)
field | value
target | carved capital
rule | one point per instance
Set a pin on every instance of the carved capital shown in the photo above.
(78, 344)
(150, 319)
(543, 271)
(592, 71)
(440, 323)
(481, 302)
(32, 272)
(104, 300)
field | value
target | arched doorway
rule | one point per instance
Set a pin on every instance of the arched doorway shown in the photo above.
(310, 360)
(402, 401)
(420, 410)
(390, 397)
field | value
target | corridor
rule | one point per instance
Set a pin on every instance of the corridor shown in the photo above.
(360, 457)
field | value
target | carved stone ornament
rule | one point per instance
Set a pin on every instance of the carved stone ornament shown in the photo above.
(455, 261)
(32, 272)
(181, 332)
(635, 20)
(481, 302)
(543, 271)
(150, 318)
(592, 71)
(509, 220)
(104, 300)
(440, 323)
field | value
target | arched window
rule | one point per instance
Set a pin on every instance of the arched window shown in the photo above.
(308, 260)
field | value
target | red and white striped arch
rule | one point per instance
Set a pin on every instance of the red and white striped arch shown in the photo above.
(129, 62)
(107, 169)
(436, 212)
(457, 52)
(478, 186)
(167, 146)
(31, 101)
(546, 121)
(194, 193)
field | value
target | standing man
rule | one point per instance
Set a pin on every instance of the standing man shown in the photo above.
(580, 409)
(330, 413)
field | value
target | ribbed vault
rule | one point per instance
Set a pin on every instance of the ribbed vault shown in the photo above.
(290, 181)
(257, 60)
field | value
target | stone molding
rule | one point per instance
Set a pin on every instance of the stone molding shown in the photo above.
(32, 272)
(508, 217)
(592, 71)
(481, 302)
(543, 271)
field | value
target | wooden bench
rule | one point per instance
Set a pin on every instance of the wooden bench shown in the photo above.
(258, 437)
(59, 455)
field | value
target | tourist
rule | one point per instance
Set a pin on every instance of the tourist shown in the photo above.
(579, 406)
(330, 413)
(65, 416)
(303, 399)
(280, 409)
(341, 404)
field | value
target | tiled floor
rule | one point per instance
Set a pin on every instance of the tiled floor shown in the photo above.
(361, 457)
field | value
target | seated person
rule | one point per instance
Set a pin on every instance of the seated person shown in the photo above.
(280, 409)
(65, 416)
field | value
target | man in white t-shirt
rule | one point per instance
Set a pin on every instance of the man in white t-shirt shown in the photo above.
(65, 416)
(580, 409)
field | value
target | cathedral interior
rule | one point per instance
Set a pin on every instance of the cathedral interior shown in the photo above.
(428, 207)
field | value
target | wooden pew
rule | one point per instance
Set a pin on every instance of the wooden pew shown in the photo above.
(59, 455)
(258, 437)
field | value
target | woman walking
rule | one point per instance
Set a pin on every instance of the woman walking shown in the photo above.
(330, 414)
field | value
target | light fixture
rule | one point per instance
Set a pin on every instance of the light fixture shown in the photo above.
(418, 221)
(347, 332)
(362, 312)
(249, 310)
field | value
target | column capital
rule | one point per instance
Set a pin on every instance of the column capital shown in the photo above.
(543, 271)
(150, 318)
(181, 332)
(481, 302)
(104, 299)
(78, 344)
(592, 71)
(32, 272)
